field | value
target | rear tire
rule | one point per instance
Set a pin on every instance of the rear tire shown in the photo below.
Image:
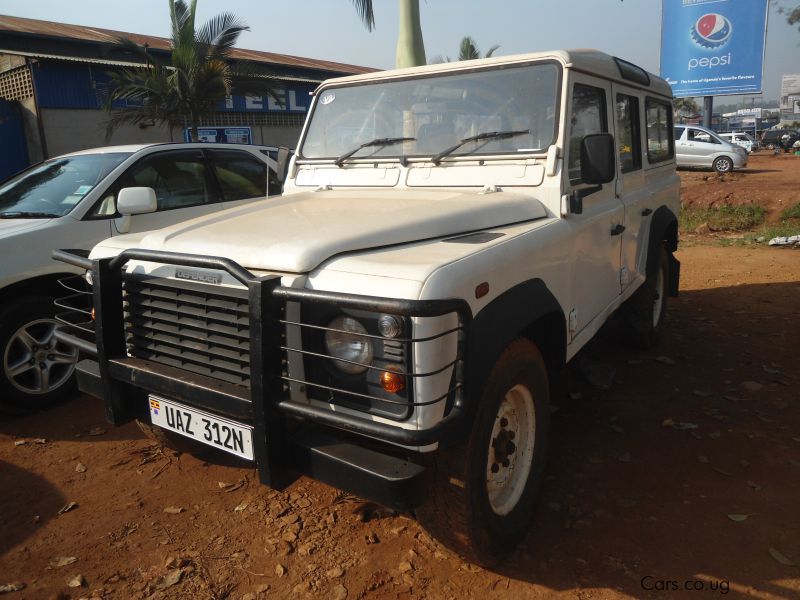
(644, 313)
(723, 164)
(482, 493)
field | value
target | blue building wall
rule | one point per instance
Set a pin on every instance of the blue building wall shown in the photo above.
(13, 149)
(62, 84)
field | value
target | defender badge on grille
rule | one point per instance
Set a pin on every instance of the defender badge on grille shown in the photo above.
(200, 276)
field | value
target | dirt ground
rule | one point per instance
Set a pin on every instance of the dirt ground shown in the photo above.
(770, 181)
(685, 475)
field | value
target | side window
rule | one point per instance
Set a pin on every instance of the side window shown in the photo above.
(180, 179)
(588, 116)
(240, 175)
(679, 133)
(629, 138)
(660, 144)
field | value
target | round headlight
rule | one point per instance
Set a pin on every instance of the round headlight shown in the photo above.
(348, 343)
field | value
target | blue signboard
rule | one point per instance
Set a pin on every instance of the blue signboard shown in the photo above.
(221, 135)
(713, 47)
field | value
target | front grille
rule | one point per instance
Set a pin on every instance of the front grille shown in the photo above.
(200, 328)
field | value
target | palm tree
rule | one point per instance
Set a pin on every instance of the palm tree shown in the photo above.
(469, 50)
(190, 86)
(410, 46)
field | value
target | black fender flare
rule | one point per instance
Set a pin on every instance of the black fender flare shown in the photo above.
(664, 228)
(514, 313)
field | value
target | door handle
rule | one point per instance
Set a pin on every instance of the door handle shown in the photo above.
(617, 229)
(647, 212)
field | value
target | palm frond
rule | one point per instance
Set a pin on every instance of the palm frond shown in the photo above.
(219, 35)
(365, 12)
(130, 47)
(468, 49)
(491, 51)
(182, 17)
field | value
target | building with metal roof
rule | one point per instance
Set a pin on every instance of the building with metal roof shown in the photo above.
(56, 74)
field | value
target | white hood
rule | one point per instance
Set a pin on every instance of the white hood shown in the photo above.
(297, 232)
(9, 227)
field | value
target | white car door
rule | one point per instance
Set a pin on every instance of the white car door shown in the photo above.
(682, 156)
(596, 232)
(631, 187)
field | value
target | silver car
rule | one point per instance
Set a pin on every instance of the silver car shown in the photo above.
(697, 146)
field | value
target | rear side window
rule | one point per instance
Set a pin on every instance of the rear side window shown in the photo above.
(660, 144)
(629, 145)
(588, 116)
(240, 175)
(678, 133)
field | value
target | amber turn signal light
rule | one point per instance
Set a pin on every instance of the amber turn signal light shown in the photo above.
(393, 382)
(94, 315)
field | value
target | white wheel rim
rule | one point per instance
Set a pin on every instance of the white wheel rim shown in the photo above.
(34, 362)
(723, 166)
(511, 450)
(659, 301)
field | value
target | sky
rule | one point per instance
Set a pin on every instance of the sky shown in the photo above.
(332, 30)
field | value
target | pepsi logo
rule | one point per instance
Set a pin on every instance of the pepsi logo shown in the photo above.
(712, 31)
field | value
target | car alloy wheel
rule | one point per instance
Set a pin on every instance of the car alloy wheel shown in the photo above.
(34, 361)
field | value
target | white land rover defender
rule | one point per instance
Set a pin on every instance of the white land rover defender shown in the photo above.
(449, 237)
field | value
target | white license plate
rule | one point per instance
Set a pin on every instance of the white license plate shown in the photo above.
(202, 426)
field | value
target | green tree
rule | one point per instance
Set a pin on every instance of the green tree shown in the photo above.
(410, 45)
(792, 14)
(191, 84)
(469, 50)
(684, 107)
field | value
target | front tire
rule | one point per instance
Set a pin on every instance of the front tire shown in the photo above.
(482, 494)
(723, 164)
(36, 370)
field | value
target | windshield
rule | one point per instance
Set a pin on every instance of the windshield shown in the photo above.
(53, 188)
(438, 112)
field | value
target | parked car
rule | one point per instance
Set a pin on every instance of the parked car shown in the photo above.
(450, 236)
(779, 138)
(697, 146)
(75, 201)
(742, 139)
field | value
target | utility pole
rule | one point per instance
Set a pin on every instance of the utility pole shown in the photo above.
(708, 108)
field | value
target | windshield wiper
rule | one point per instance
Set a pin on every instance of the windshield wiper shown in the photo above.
(27, 215)
(488, 135)
(376, 142)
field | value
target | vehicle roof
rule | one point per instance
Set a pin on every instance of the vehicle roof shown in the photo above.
(700, 127)
(132, 148)
(586, 60)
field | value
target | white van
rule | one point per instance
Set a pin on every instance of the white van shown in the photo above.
(697, 146)
(742, 139)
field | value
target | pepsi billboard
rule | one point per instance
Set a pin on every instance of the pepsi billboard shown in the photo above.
(713, 47)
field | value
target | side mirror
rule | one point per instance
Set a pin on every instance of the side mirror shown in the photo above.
(284, 154)
(597, 158)
(136, 201)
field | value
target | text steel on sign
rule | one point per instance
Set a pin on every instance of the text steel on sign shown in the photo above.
(713, 47)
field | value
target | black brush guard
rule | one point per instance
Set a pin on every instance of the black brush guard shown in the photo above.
(124, 382)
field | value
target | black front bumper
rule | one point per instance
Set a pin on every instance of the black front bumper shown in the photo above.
(349, 452)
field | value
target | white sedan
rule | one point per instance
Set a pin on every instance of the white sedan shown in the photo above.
(79, 199)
